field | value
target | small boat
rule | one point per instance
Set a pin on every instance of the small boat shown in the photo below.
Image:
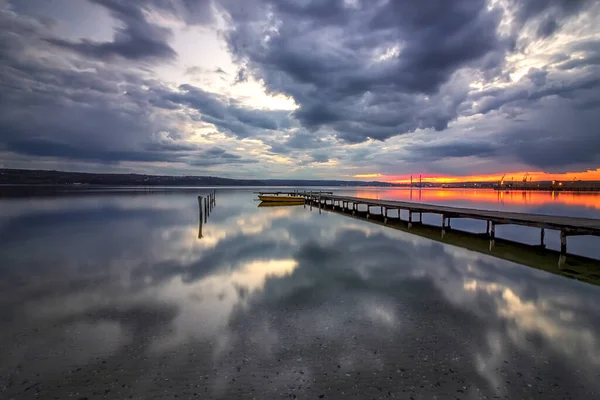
(281, 199)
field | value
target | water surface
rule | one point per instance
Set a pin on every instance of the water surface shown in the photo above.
(116, 296)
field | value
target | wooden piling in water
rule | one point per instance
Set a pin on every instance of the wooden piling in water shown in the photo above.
(199, 217)
(542, 235)
(205, 210)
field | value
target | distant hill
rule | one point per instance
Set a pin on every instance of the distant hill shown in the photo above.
(43, 177)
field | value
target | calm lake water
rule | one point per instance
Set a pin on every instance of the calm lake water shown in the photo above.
(115, 295)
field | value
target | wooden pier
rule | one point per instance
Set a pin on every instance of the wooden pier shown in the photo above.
(584, 269)
(567, 226)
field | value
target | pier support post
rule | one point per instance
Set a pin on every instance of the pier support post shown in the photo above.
(409, 219)
(542, 234)
(385, 216)
(562, 259)
(449, 226)
(563, 242)
(443, 225)
(420, 217)
(487, 228)
(493, 236)
(368, 211)
(353, 208)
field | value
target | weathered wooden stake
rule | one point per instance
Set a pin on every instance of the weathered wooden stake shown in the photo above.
(563, 242)
(200, 217)
(487, 228)
(493, 236)
(205, 210)
(409, 219)
(368, 211)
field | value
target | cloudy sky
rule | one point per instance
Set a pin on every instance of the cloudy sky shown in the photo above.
(301, 88)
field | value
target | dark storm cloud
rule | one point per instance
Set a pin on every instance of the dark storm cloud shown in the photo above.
(524, 95)
(136, 40)
(306, 147)
(226, 115)
(218, 156)
(320, 157)
(547, 15)
(549, 121)
(324, 55)
(101, 113)
(530, 9)
(590, 50)
(547, 27)
(558, 137)
(433, 151)
(45, 148)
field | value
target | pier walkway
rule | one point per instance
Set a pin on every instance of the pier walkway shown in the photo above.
(567, 226)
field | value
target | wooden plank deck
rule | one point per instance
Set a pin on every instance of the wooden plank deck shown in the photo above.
(573, 225)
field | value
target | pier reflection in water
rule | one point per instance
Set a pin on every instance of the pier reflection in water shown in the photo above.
(116, 296)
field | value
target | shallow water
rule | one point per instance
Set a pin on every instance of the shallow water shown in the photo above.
(116, 296)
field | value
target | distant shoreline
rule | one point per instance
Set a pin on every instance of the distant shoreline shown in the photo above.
(87, 180)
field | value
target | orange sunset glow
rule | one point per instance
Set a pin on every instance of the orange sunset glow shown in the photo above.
(590, 175)
(485, 196)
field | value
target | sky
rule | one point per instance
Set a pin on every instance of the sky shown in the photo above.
(311, 89)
